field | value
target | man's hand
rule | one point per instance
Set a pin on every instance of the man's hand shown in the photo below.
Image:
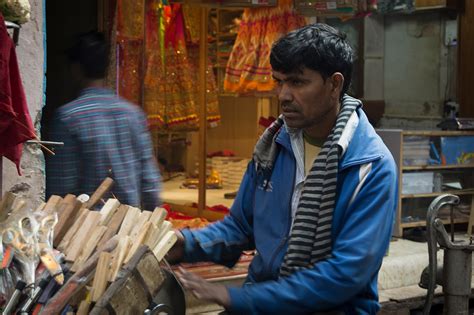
(176, 253)
(203, 289)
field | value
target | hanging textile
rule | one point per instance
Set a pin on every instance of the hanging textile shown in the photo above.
(154, 82)
(15, 121)
(181, 103)
(248, 68)
(110, 24)
(192, 19)
(130, 23)
(171, 72)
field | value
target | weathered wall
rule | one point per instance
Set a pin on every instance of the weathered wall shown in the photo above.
(30, 55)
(418, 70)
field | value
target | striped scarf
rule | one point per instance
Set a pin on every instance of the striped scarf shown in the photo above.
(310, 238)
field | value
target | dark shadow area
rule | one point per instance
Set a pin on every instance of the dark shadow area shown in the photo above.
(65, 20)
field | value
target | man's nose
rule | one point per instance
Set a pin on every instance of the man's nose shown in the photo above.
(284, 93)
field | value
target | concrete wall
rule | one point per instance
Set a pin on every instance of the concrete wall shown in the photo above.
(417, 66)
(30, 55)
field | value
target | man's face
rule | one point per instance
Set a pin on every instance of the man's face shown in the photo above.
(306, 99)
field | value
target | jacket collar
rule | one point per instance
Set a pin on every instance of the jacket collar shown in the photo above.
(363, 146)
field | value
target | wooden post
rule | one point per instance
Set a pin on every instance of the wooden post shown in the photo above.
(202, 110)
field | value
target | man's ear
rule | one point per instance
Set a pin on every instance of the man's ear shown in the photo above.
(337, 82)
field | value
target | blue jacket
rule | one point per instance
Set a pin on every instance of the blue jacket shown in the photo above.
(361, 230)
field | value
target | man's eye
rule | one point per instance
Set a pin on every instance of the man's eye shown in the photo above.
(296, 82)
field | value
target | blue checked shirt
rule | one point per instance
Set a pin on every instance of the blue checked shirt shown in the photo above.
(103, 136)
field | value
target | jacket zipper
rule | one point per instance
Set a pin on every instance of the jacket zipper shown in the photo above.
(283, 241)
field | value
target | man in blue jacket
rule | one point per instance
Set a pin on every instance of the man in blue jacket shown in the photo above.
(317, 201)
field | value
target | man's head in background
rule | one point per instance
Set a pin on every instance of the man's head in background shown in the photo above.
(89, 58)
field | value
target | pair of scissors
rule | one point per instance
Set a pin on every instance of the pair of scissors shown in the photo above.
(45, 247)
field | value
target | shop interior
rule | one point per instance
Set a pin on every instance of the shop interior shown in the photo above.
(412, 68)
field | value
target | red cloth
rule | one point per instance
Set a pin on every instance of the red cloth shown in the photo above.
(15, 121)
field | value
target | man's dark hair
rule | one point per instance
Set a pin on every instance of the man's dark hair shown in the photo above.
(318, 47)
(91, 52)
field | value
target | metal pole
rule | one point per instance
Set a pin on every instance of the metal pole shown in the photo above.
(457, 270)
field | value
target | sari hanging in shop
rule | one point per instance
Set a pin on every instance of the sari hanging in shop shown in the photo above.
(248, 68)
(192, 20)
(130, 48)
(154, 93)
(161, 67)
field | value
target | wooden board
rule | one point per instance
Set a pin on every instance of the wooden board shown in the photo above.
(101, 276)
(103, 188)
(114, 223)
(138, 240)
(83, 213)
(89, 247)
(18, 205)
(40, 207)
(139, 224)
(67, 210)
(129, 221)
(108, 211)
(165, 227)
(6, 204)
(119, 256)
(82, 235)
(164, 245)
(137, 283)
(158, 216)
(52, 203)
(83, 308)
(152, 237)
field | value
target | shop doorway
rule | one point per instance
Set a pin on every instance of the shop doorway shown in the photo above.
(64, 21)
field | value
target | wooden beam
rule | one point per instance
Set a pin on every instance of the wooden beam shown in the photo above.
(465, 60)
(202, 109)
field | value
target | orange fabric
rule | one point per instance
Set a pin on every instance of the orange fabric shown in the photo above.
(248, 68)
